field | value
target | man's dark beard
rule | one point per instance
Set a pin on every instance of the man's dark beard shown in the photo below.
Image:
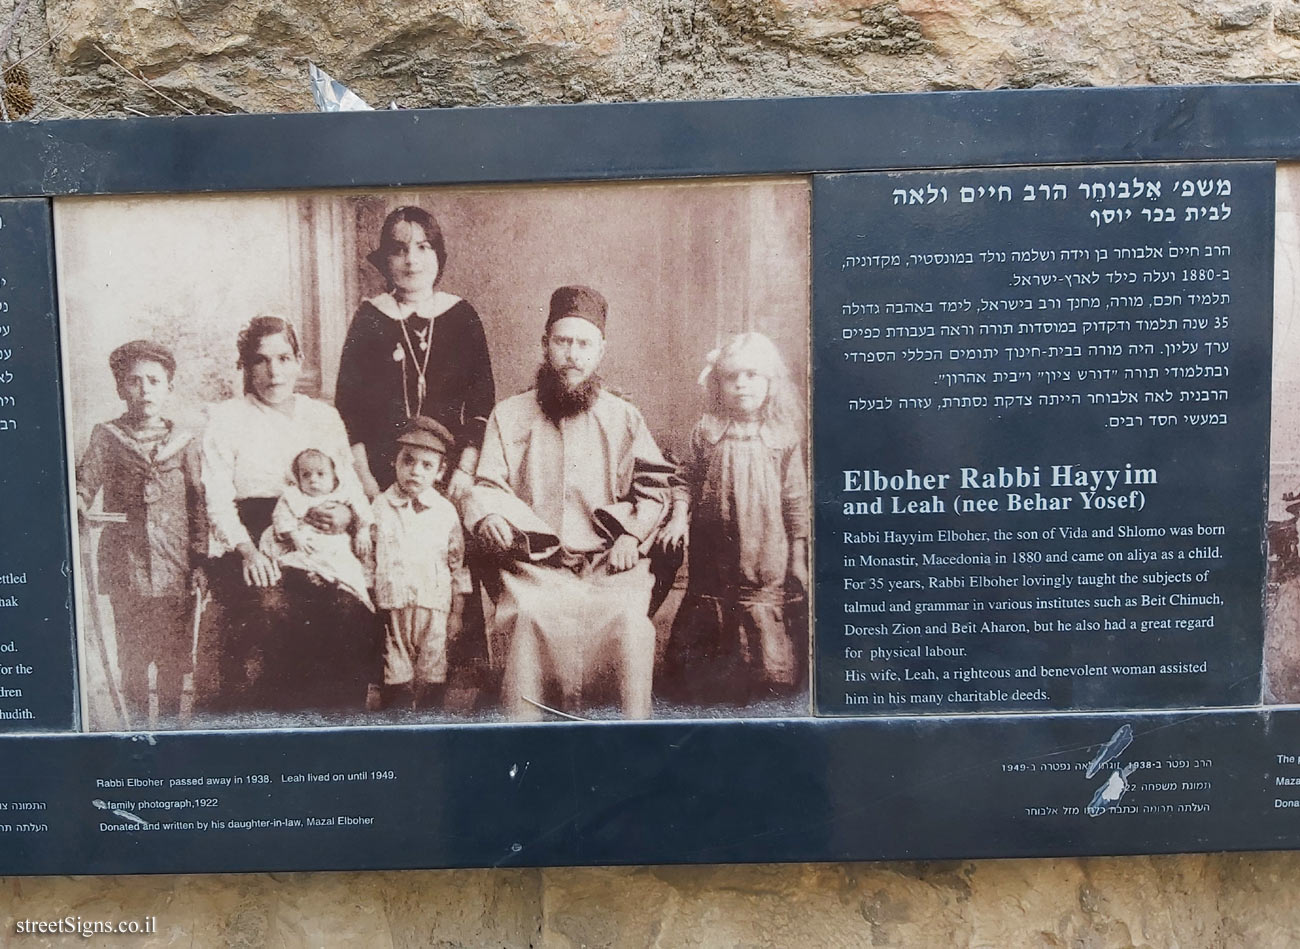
(559, 402)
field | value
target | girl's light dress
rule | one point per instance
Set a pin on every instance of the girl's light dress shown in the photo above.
(739, 633)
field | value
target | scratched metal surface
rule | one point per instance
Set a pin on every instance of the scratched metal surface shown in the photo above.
(640, 140)
(980, 786)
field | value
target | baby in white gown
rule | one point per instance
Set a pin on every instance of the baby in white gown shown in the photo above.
(293, 542)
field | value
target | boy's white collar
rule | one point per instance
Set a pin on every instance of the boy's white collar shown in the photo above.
(425, 499)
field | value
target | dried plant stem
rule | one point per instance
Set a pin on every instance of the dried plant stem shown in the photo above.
(140, 78)
(40, 46)
(7, 34)
(48, 100)
(7, 37)
(4, 111)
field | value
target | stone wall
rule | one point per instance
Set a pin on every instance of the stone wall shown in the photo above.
(1226, 901)
(115, 57)
(251, 55)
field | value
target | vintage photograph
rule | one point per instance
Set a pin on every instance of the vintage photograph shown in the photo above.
(461, 454)
(1281, 673)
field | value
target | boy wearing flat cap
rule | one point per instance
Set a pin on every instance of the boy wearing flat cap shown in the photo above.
(421, 581)
(147, 468)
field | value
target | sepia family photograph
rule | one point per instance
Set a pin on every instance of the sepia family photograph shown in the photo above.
(464, 454)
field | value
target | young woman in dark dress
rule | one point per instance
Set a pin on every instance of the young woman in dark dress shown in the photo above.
(413, 350)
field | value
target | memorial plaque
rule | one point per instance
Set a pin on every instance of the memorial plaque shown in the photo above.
(1059, 381)
(1048, 483)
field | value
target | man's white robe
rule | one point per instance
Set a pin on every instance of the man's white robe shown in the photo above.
(569, 490)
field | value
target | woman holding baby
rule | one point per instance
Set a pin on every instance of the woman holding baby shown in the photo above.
(285, 475)
(288, 641)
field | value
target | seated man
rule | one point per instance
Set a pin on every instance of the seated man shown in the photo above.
(569, 492)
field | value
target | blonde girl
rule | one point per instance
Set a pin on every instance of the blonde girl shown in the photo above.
(743, 499)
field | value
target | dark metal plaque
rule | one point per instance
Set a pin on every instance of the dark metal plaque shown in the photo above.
(1041, 418)
(1054, 493)
(37, 671)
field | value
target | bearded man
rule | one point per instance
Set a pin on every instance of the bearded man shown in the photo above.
(570, 491)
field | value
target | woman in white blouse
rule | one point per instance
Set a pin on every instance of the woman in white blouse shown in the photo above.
(287, 642)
